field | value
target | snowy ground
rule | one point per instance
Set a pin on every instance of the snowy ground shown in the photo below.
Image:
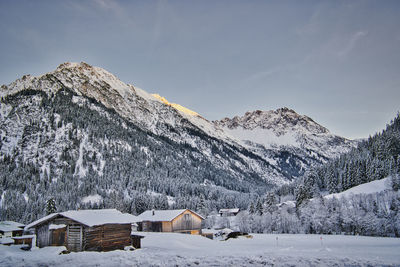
(367, 188)
(164, 249)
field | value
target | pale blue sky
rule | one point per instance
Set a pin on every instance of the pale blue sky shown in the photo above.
(335, 61)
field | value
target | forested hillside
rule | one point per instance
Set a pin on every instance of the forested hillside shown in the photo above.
(373, 159)
(362, 214)
(301, 208)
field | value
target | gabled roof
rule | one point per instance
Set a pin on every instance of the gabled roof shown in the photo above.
(90, 217)
(162, 215)
(9, 226)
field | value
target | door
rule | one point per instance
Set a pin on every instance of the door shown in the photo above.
(43, 236)
(58, 237)
(74, 238)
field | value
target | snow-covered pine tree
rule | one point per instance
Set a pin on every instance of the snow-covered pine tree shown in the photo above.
(270, 202)
(259, 207)
(51, 206)
(395, 181)
(302, 194)
(252, 208)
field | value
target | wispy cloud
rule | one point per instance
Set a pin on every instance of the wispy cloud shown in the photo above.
(289, 67)
(111, 7)
(105, 4)
(266, 73)
(351, 43)
(313, 24)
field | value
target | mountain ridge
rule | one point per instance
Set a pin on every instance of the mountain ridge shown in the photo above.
(311, 143)
(284, 127)
(80, 131)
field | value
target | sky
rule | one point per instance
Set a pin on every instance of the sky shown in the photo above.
(337, 62)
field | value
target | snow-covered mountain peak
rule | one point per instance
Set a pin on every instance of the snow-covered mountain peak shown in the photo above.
(81, 77)
(69, 65)
(280, 121)
(284, 128)
(85, 76)
(138, 106)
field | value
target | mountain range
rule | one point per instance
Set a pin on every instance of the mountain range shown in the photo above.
(79, 131)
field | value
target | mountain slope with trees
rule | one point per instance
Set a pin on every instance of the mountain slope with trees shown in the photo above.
(78, 134)
(373, 159)
(300, 207)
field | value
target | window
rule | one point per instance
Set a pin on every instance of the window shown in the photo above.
(188, 217)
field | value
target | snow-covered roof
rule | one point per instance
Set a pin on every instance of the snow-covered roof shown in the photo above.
(91, 217)
(236, 210)
(162, 215)
(9, 226)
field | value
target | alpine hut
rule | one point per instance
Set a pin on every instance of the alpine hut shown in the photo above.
(228, 212)
(8, 230)
(90, 230)
(180, 221)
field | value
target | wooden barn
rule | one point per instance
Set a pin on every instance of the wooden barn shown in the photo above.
(180, 221)
(86, 230)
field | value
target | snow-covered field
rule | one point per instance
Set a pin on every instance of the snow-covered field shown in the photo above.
(167, 249)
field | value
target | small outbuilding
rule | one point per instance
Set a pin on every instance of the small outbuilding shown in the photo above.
(228, 212)
(85, 230)
(24, 240)
(178, 221)
(9, 229)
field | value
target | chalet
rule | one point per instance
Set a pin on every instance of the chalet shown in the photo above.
(178, 221)
(86, 230)
(228, 212)
(8, 230)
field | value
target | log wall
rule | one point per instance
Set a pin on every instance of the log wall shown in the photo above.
(107, 237)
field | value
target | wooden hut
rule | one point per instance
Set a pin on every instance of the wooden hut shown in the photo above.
(90, 230)
(10, 229)
(228, 212)
(24, 240)
(180, 221)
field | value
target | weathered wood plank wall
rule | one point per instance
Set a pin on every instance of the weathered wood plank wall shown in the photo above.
(107, 237)
(42, 235)
(186, 221)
